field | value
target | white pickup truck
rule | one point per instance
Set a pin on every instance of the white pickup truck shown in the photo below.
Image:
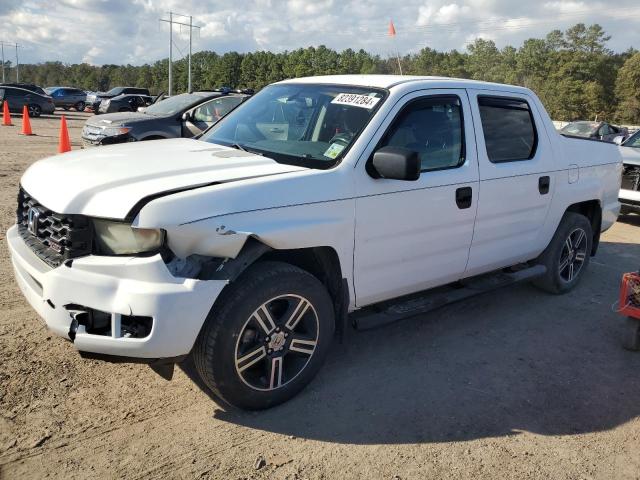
(318, 204)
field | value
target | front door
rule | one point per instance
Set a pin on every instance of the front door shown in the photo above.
(411, 236)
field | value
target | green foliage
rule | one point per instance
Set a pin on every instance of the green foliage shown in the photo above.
(573, 72)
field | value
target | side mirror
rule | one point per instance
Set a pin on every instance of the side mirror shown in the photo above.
(396, 163)
(618, 140)
(186, 116)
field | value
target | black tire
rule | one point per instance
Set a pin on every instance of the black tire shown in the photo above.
(66, 109)
(124, 109)
(80, 106)
(236, 325)
(34, 110)
(560, 280)
(631, 338)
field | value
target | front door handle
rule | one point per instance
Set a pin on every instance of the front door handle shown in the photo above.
(543, 185)
(463, 197)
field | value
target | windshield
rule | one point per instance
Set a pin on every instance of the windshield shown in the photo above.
(580, 129)
(299, 124)
(173, 105)
(633, 141)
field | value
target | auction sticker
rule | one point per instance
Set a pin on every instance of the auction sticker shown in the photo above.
(355, 100)
(334, 150)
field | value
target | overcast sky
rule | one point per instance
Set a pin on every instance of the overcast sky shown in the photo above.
(128, 31)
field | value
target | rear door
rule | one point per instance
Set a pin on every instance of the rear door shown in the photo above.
(517, 180)
(414, 235)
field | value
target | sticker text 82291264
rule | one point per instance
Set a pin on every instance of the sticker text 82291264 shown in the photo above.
(355, 100)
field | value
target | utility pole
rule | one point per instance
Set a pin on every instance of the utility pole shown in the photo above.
(10, 44)
(190, 30)
(191, 26)
(17, 66)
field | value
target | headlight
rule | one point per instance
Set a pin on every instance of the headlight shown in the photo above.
(111, 131)
(117, 238)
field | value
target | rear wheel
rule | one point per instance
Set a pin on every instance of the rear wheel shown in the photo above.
(34, 110)
(568, 254)
(266, 337)
(80, 106)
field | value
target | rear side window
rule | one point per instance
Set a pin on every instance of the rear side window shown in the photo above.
(509, 130)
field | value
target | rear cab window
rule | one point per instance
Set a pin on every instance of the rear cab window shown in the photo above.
(509, 129)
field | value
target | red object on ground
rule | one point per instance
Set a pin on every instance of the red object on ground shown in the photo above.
(26, 123)
(630, 295)
(64, 145)
(6, 116)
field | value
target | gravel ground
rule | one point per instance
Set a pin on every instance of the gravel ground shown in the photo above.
(514, 384)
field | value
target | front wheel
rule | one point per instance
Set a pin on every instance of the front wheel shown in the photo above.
(568, 254)
(34, 110)
(266, 337)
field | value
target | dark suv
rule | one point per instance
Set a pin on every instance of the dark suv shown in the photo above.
(93, 100)
(186, 115)
(66, 97)
(17, 98)
(26, 86)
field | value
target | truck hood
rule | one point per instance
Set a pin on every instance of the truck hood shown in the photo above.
(109, 181)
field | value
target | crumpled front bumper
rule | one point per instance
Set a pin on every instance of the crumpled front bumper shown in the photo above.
(120, 286)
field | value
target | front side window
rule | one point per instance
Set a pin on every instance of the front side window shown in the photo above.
(312, 125)
(509, 130)
(432, 127)
(214, 110)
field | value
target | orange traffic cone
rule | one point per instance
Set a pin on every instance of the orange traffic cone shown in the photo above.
(64, 145)
(6, 116)
(26, 123)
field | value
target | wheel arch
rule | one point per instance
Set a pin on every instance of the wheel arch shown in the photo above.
(322, 262)
(592, 210)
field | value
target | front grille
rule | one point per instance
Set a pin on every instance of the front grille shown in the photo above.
(631, 177)
(55, 237)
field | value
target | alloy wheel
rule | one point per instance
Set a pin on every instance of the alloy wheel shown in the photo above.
(573, 255)
(277, 342)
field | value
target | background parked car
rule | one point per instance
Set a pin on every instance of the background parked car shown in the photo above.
(124, 103)
(27, 86)
(66, 97)
(17, 98)
(630, 189)
(596, 130)
(184, 115)
(93, 101)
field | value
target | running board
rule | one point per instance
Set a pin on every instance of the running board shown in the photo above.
(423, 302)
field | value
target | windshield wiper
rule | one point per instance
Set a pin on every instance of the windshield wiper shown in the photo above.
(237, 146)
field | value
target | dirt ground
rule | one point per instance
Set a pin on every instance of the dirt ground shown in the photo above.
(511, 385)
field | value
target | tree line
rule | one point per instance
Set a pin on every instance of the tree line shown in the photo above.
(573, 72)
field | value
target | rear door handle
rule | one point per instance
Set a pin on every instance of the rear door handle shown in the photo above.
(463, 197)
(543, 185)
